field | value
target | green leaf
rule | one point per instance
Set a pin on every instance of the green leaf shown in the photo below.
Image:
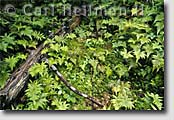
(60, 105)
(93, 63)
(32, 44)
(119, 44)
(159, 18)
(34, 90)
(21, 56)
(71, 36)
(6, 42)
(107, 35)
(83, 65)
(64, 48)
(160, 27)
(61, 60)
(144, 40)
(39, 22)
(108, 71)
(121, 70)
(158, 62)
(148, 49)
(38, 35)
(126, 54)
(55, 47)
(134, 11)
(12, 61)
(24, 43)
(139, 54)
(38, 69)
(27, 32)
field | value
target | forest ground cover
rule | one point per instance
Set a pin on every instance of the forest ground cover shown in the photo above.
(116, 54)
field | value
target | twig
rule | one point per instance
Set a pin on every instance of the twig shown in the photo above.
(53, 67)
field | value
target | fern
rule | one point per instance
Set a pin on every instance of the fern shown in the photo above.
(6, 42)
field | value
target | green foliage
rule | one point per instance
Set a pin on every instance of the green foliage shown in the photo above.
(35, 96)
(150, 102)
(122, 97)
(60, 105)
(7, 41)
(122, 56)
(4, 73)
(38, 69)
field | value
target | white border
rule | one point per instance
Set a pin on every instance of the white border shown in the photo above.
(169, 80)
